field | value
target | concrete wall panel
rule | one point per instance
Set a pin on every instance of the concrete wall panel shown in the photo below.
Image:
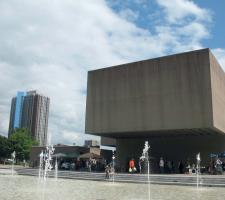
(172, 92)
(218, 94)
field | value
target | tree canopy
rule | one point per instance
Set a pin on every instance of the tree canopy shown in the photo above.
(20, 141)
(4, 147)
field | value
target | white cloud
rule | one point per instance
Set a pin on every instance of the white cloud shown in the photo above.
(178, 10)
(198, 31)
(50, 46)
(129, 14)
(71, 136)
(184, 26)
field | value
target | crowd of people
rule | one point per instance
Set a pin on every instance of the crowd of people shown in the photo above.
(82, 164)
(164, 166)
(167, 166)
(216, 166)
(91, 165)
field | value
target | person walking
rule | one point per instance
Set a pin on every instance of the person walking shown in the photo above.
(107, 172)
(169, 166)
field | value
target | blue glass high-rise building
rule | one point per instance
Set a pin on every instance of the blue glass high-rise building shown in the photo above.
(30, 110)
(18, 109)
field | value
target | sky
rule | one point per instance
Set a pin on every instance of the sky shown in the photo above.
(50, 45)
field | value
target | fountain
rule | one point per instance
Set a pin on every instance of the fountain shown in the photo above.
(40, 173)
(198, 158)
(48, 158)
(13, 156)
(45, 162)
(56, 169)
(113, 167)
(145, 157)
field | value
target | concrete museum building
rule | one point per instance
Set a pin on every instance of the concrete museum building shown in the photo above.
(175, 102)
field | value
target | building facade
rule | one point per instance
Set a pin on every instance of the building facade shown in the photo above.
(71, 153)
(175, 102)
(91, 143)
(30, 110)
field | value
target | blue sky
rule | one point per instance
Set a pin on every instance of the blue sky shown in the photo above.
(217, 28)
(50, 46)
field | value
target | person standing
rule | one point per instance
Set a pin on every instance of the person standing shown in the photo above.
(181, 167)
(218, 166)
(132, 167)
(169, 166)
(161, 165)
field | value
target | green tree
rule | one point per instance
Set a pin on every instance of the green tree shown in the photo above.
(5, 149)
(21, 142)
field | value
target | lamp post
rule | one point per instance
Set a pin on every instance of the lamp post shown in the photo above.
(113, 167)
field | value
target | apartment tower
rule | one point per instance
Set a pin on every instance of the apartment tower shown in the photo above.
(30, 110)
